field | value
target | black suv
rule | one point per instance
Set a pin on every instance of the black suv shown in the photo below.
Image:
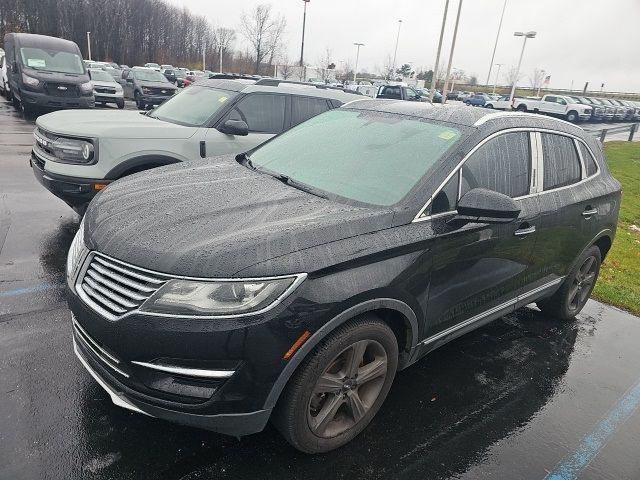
(293, 282)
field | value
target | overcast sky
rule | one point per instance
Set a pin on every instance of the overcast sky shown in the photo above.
(578, 40)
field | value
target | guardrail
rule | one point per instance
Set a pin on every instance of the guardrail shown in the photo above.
(631, 128)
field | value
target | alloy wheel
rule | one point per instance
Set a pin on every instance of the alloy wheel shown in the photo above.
(347, 389)
(583, 283)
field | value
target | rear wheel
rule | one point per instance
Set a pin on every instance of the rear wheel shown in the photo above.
(340, 387)
(488, 105)
(522, 108)
(569, 300)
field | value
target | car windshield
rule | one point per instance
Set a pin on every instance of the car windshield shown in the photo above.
(149, 76)
(179, 73)
(51, 60)
(193, 106)
(367, 157)
(100, 76)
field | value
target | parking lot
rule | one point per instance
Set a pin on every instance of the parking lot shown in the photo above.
(526, 397)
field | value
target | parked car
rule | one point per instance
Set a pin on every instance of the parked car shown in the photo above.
(106, 89)
(597, 111)
(291, 283)
(170, 75)
(146, 86)
(620, 112)
(368, 90)
(556, 105)
(453, 95)
(609, 111)
(212, 117)
(116, 73)
(167, 67)
(462, 96)
(4, 79)
(46, 72)
(180, 78)
(477, 100)
(628, 110)
(399, 92)
(195, 75)
(502, 103)
(153, 66)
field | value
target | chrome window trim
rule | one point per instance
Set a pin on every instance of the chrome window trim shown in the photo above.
(420, 217)
(299, 278)
(486, 313)
(190, 372)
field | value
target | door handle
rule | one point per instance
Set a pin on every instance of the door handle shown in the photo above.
(589, 212)
(521, 232)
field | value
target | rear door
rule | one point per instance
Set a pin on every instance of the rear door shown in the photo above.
(568, 207)
(265, 115)
(480, 268)
(303, 108)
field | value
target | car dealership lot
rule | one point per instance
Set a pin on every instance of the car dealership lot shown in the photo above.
(516, 399)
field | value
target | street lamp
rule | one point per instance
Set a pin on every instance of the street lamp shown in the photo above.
(396, 50)
(495, 45)
(89, 44)
(355, 70)
(497, 73)
(517, 74)
(304, 21)
(453, 46)
(434, 76)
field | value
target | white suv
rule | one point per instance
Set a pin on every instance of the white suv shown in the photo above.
(78, 153)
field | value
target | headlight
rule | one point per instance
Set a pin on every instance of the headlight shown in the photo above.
(220, 298)
(146, 91)
(75, 252)
(30, 81)
(86, 87)
(68, 149)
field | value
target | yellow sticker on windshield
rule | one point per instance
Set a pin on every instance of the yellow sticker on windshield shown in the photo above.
(447, 135)
(223, 99)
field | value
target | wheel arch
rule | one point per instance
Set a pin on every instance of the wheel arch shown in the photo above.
(138, 164)
(399, 316)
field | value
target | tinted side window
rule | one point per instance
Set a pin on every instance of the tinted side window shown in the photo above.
(561, 162)
(549, 98)
(446, 199)
(392, 92)
(303, 108)
(263, 113)
(589, 162)
(503, 165)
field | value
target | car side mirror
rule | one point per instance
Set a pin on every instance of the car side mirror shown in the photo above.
(234, 127)
(480, 205)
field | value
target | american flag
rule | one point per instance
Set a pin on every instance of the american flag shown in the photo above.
(547, 79)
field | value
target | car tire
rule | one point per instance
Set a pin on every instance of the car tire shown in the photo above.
(571, 297)
(120, 104)
(467, 103)
(488, 105)
(139, 103)
(345, 406)
(572, 117)
(522, 108)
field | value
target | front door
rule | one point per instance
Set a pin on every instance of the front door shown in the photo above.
(264, 114)
(480, 268)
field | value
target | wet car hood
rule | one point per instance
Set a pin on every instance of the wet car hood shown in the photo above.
(111, 124)
(214, 218)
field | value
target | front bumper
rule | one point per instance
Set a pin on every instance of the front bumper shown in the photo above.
(75, 192)
(37, 99)
(154, 99)
(109, 97)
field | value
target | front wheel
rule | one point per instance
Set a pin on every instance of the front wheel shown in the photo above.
(569, 300)
(340, 387)
(488, 105)
(522, 108)
(120, 104)
(572, 117)
(139, 102)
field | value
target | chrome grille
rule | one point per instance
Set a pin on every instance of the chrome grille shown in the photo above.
(98, 351)
(105, 90)
(114, 288)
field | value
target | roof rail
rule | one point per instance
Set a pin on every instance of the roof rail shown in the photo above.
(232, 76)
(274, 82)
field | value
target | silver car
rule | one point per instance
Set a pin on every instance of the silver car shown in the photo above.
(105, 88)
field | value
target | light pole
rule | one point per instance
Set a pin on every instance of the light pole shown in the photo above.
(434, 78)
(304, 21)
(89, 44)
(220, 58)
(496, 81)
(395, 53)
(355, 70)
(204, 48)
(493, 55)
(453, 46)
(517, 74)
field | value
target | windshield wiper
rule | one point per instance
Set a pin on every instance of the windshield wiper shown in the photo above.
(299, 185)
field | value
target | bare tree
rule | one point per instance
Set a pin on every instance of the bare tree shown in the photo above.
(536, 78)
(387, 69)
(263, 30)
(511, 76)
(323, 65)
(286, 70)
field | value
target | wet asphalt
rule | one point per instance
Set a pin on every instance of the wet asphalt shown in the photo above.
(526, 397)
